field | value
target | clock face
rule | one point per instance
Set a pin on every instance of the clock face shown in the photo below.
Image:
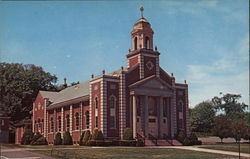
(150, 65)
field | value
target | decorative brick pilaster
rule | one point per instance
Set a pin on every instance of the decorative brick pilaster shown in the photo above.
(122, 104)
(173, 111)
(90, 107)
(81, 119)
(157, 67)
(45, 119)
(33, 118)
(103, 108)
(187, 112)
(62, 120)
(141, 61)
(70, 119)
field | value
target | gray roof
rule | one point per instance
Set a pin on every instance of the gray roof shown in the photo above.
(69, 93)
(50, 95)
(72, 92)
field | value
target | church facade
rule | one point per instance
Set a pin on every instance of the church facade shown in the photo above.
(141, 96)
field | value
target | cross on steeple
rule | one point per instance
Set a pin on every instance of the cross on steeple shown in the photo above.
(142, 9)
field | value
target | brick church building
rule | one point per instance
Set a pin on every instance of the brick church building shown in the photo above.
(141, 96)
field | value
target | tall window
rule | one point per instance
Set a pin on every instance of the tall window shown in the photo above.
(112, 117)
(147, 43)
(59, 123)
(67, 122)
(96, 121)
(96, 102)
(152, 106)
(135, 43)
(165, 107)
(87, 119)
(77, 121)
(180, 124)
(51, 124)
(180, 106)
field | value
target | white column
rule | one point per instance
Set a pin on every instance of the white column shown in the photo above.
(62, 122)
(146, 116)
(90, 107)
(134, 116)
(160, 117)
(71, 116)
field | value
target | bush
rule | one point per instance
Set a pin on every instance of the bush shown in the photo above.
(181, 136)
(91, 143)
(86, 137)
(27, 137)
(35, 138)
(81, 138)
(128, 134)
(58, 139)
(198, 142)
(67, 139)
(140, 142)
(40, 141)
(99, 135)
(95, 134)
(186, 142)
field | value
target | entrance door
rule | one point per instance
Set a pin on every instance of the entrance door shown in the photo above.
(152, 117)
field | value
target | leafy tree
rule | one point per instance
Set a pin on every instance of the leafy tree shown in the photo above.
(35, 138)
(58, 139)
(222, 127)
(27, 137)
(202, 117)
(239, 126)
(230, 105)
(67, 139)
(19, 85)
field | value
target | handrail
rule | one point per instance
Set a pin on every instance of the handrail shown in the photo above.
(154, 139)
(138, 136)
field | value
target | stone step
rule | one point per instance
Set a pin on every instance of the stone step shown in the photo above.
(163, 143)
(149, 143)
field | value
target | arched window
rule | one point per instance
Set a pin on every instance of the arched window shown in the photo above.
(96, 102)
(147, 43)
(77, 121)
(59, 123)
(112, 117)
(51, 124)
(180, 106)
(87, 119)
(67, 122)
(135, 43)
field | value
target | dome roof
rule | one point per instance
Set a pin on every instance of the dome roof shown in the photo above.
(142, 24)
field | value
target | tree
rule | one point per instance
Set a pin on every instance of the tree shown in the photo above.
(222, 127)
(86, 138)
(19, 85)
(58, 139)
(239, 126)
(202, 117)
(230, 105)
(67, 139)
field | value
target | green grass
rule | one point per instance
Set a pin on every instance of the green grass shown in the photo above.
(244, 147)
(131, 152)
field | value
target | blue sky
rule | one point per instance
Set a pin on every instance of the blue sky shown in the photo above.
(202, 41)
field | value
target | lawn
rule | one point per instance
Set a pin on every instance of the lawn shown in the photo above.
(129, 152)
(244, 147)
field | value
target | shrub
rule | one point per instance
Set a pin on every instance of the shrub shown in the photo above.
(67, 139)
(91, 143)
(27, 137)
(198, 142)
(99, 135)
(186, 142)
(35, 138)
(140, 142)
(181, 136)
(40, 141)
(86, 137)
(58, 139)
(81, 138)
(95, 134)
(128, 134)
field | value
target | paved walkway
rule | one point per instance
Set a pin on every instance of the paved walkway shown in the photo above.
(21, 153)
(194, 148)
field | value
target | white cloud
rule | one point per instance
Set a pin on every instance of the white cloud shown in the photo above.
(229, 74)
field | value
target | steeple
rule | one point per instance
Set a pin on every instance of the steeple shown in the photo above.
(142, 34)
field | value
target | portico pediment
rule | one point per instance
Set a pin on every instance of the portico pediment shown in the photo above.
(151, 82)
